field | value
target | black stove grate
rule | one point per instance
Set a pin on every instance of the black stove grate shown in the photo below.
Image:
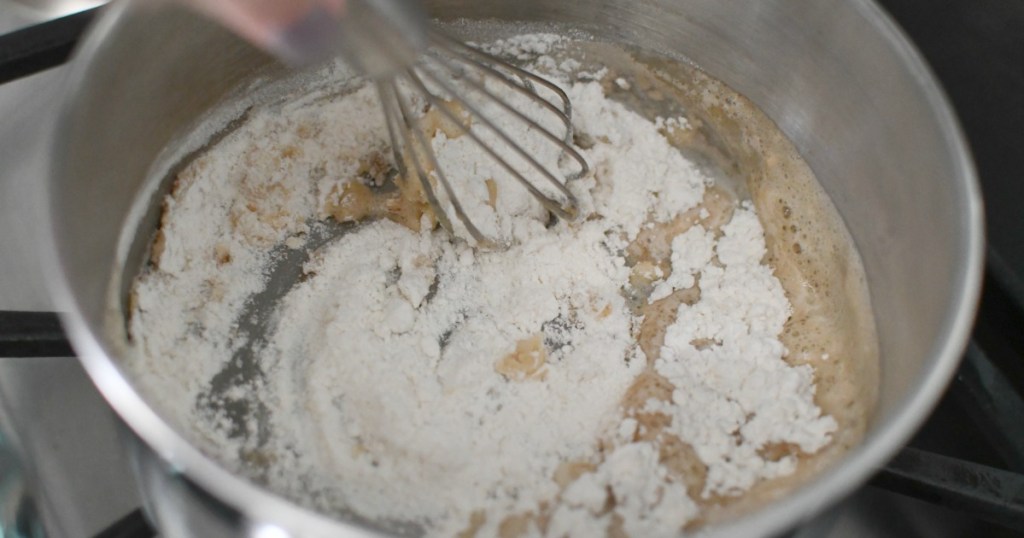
(133, 525)
(36, 48)
(969, 457)
(32, 334)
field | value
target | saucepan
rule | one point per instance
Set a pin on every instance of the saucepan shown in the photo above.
(837, 77)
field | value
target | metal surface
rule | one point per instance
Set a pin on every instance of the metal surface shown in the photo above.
(987, 492)
(976, 48)
(26, 107)
(69, 443)
(836, 76)
(993, 404)
(18, 514)
(65, 431)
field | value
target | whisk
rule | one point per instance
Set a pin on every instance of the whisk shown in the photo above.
(416, 68)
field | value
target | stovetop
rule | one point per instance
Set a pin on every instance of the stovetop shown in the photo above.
(962, 475)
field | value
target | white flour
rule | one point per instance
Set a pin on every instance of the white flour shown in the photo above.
(739, 383)
(410, 377)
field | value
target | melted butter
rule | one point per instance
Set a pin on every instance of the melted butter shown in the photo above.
(378, 191)
(528, 361)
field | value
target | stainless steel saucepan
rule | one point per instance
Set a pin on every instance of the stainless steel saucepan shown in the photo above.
(836, 75)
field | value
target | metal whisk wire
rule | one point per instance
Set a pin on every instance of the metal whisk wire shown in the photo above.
(449, 60)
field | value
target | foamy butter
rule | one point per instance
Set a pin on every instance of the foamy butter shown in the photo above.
(696, 346)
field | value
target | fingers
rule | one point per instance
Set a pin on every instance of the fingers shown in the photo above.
(261, 21)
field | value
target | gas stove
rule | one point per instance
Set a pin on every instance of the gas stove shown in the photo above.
(62, 467)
